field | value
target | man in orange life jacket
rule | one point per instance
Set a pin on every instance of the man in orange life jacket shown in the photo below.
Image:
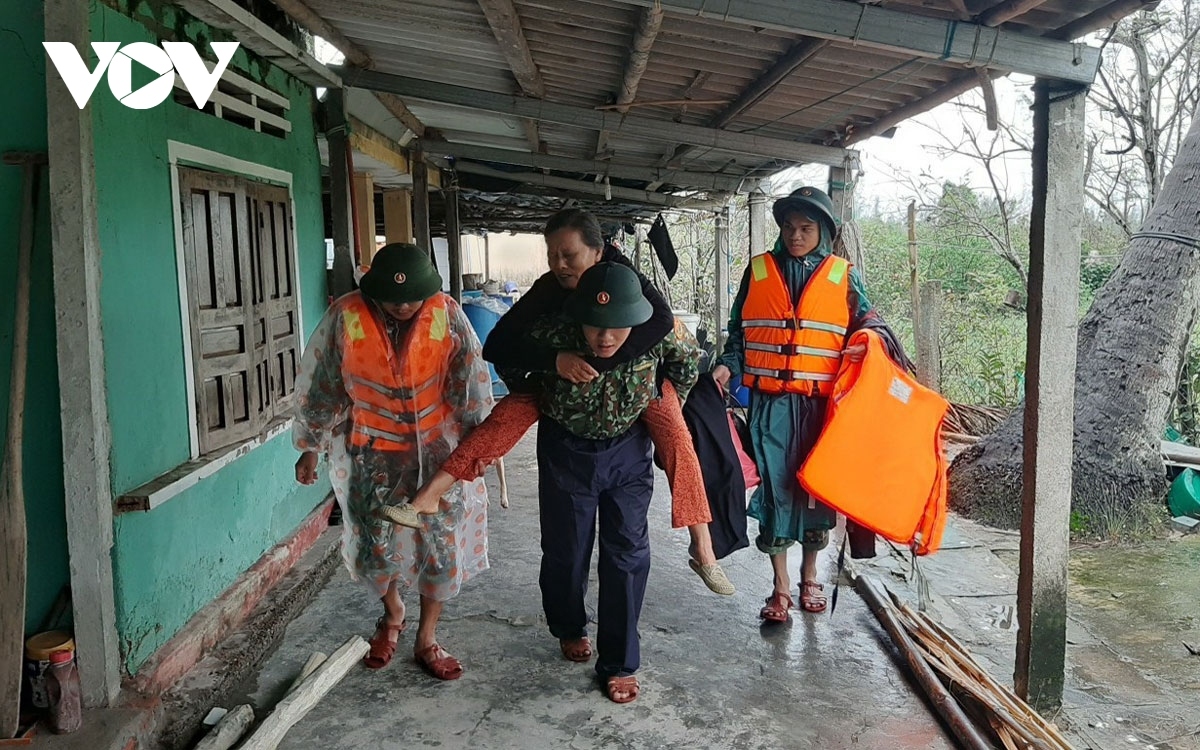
(787, 330)
(392, 379)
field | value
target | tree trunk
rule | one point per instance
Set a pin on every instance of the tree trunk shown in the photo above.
(1130, 347)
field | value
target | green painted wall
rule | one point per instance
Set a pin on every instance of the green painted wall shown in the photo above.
(171, 561)
(23, 90)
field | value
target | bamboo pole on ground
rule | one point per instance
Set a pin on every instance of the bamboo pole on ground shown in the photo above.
(943, 702)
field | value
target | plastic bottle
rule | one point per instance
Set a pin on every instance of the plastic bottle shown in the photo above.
(66, 705)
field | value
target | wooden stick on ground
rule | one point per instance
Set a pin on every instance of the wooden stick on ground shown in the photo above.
(294, 706)
(943, 702)
(228, 730)
(310, 666)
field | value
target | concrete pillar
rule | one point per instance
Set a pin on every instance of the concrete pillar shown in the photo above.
(927, 330)
(1054, 248)
(363, 185)
(722, 278)
(397, 215)
(757, 204)
(82, 397)
(339, 193)
(420, 202)
(453, 236)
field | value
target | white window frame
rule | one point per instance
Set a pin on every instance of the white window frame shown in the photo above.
(184, 154)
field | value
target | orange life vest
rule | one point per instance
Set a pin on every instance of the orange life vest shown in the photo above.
(795, 349)
(880, 417)
(397, 399)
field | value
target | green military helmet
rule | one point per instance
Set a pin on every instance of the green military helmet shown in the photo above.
(400, 273)
(609, 295)
(810, 201)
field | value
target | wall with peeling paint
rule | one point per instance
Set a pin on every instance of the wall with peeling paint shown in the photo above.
(172, 560)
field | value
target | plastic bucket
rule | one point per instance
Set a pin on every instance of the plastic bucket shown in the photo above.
(483, 321)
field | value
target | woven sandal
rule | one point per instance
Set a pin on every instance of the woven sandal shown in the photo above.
(383, 648)
(402, 515)
(714, 577)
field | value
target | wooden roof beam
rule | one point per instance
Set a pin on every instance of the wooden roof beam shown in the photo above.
(949, 40)
(311, 20)
(1102, 18)
(506, 27)
(398, 109)
(694, 180)
(258, 37)
(783, 67)
(1007, 10)
(585, 187)
(635, 67)
(590, 119)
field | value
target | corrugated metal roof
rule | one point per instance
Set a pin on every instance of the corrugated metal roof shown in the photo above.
(581, 49)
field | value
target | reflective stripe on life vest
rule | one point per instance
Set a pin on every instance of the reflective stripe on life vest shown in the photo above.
(795, 349)
(396, 397)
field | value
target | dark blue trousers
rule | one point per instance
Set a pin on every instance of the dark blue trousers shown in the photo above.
(579, 479)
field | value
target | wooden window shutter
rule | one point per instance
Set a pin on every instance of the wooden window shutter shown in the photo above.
(217, 240)
(280, 298)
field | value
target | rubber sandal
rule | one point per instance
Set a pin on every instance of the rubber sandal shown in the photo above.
(778, 606)
(383, 648)
(714, 577)
(402, 515)
(626, 685)
(434, 660)
(811, 600)
(576, 649)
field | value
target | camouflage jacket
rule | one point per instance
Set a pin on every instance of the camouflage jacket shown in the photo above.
(609, 405)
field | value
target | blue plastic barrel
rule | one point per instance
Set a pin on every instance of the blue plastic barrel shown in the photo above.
(483, 321)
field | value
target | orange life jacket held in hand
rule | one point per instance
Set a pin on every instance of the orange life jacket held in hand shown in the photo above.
(879, 459)
(397, 398)
(795, 349)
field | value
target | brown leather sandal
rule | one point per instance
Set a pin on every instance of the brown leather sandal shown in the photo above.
(434, 659)
(811, 598)
(576, 649)
(383, 648)
(622, 688)
(778, 606)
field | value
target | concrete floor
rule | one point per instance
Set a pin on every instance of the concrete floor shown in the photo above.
(711, 676)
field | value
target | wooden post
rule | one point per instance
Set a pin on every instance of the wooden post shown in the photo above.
(487, 256)
(841, 193)
(1053, 309)
(757, 204)
(363, 185)
(453, 235)
(337, 136)
(913, 282)
(86, 437)
(926, 332)
(397, 215)
(722, 278)
(420, 202)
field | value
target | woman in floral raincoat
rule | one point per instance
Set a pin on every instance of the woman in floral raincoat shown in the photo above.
(391, 381)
